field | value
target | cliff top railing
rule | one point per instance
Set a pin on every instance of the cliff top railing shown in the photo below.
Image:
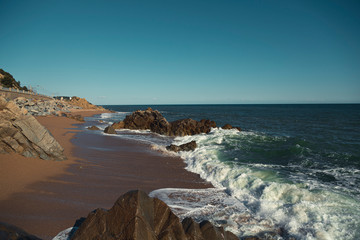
(12, 93)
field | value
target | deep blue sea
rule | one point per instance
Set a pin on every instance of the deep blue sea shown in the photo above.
(295, 167)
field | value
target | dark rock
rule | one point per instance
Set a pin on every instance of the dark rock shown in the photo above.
(154, 121)
(10, 232)
(228, 126)
(190, 146)
(250, 238)
(148, 119)
(210, 232)
(93, 128)
(109, 130)
(192, 229)
(137, 216)
(133, 216)
(189, 126)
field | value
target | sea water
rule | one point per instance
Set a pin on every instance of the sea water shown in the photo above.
(292, 167)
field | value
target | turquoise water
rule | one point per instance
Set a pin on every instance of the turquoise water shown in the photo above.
(292, 166)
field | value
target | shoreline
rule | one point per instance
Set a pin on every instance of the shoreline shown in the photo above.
(47, 197)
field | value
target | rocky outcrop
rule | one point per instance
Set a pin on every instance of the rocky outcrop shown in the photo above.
(190, 146)
(10, 232)
(137, 216)
(83, 103)
(191, 127)
(154, 121)
(23, 134)
(228, 126)
(142, 120)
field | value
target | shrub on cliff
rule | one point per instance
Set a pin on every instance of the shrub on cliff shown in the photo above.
(8, 81)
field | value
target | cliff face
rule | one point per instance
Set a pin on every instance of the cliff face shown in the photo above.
(23, 134)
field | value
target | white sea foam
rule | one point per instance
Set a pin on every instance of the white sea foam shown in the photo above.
(66, 234)
(305, 211)
(114, 115)
(260, 198)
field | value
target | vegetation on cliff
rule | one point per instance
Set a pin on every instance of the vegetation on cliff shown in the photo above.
(8, 81)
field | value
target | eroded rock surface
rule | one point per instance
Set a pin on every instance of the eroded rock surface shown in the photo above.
(137, 216)
(23, 134)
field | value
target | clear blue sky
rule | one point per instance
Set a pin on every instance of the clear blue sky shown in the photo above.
(174, 52)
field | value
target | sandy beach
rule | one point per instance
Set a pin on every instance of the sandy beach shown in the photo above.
(46, 197)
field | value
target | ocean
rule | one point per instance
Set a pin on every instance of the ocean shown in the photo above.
(292, 167)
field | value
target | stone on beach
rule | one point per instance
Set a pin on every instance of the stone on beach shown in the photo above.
(93, 128)
(110, 130)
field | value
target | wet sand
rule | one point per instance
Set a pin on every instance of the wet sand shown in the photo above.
(99, 169)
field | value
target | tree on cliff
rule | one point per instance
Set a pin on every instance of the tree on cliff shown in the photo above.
(7, 80)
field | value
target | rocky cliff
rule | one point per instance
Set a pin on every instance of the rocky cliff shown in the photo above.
(23, 134)
(8, 81)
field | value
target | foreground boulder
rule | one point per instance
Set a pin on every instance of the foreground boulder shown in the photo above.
(23, 134)
(137, 216)
(155, 122)
(10, 232)
(190, 146)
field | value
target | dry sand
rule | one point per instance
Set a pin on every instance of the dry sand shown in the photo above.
(46, 197)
